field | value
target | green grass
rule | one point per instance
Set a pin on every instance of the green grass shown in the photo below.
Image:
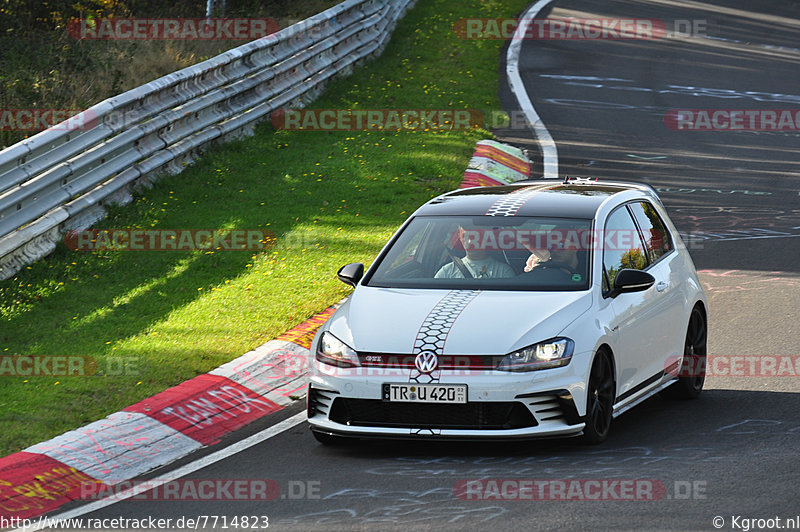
(330, 197)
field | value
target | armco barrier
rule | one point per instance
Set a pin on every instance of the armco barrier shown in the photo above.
(61, 178)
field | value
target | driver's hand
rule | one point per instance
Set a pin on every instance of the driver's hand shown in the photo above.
(537, 257)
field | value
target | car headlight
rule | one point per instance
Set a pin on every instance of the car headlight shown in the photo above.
(333, 351)
(552, 353)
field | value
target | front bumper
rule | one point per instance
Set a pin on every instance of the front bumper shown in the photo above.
(499, 405)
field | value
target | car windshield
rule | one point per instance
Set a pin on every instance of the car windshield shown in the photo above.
(488, 253)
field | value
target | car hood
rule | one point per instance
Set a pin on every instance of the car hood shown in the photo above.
(386, 320)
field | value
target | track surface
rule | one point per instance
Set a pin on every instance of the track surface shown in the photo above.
(733, 452)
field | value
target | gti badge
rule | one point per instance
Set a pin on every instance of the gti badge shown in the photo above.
(426, 362)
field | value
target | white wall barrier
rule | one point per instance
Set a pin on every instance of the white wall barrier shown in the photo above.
(61, 178)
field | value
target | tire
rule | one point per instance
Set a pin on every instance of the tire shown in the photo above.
(599, 400)
(694, 351)
(327, 439)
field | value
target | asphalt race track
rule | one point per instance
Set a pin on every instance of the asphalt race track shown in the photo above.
(733, 453)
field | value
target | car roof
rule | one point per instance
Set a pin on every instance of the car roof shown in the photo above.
(550, 198)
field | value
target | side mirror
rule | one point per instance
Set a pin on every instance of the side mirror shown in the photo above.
(351, 273)
(631, 281)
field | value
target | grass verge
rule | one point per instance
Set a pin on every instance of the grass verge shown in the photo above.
(154, 319)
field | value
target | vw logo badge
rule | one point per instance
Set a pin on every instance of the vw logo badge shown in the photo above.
(426, 361)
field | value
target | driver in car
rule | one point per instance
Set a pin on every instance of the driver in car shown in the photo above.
(556, 256)
(477, 263)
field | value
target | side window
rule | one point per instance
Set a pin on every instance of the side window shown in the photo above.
(408, 252)
(622, 246)
(656, 237)
(410, 249)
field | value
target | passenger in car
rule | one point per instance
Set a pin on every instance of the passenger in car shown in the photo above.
(557, 255)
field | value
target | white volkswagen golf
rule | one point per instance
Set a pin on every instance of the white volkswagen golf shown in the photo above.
(534, 309)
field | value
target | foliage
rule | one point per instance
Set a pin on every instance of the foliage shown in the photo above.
(43, 67)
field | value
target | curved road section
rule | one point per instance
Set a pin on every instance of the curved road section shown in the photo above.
(726, 461)
(705, 109)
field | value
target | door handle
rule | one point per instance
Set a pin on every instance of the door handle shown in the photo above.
(661, 286)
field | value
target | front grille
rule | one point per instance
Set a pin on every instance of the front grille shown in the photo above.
(466, 416)
(446, 362)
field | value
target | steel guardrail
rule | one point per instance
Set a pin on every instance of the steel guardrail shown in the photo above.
(61, 178)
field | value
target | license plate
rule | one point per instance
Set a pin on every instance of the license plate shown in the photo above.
(424, 393)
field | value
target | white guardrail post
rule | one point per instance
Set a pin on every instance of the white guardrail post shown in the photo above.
(60, 179)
